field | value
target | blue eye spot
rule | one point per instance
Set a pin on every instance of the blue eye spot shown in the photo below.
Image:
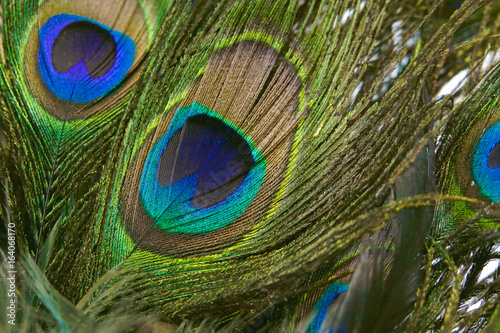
(486, 163)
(201, 175)
(80, 59)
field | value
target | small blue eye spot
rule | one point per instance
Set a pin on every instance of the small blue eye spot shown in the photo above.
(80, 59)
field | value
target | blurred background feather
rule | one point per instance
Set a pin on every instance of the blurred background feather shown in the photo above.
(243, 165)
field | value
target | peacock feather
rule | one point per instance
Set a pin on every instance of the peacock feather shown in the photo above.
(249, 165)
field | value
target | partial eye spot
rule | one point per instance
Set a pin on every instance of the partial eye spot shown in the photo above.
(80, 59)
(486, 163)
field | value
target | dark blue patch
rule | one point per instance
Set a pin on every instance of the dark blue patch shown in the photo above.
(211, 150)
(80, 59)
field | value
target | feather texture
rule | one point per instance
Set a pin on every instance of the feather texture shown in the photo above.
(247, 165)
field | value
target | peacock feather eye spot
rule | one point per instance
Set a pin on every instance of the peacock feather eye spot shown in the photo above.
(486, 163)
(201, 174)
(209, 173)
(80, 59)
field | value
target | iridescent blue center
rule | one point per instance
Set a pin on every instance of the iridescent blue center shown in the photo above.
(80, 59)
(486, 163)
(201, 175)
(322, 305)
